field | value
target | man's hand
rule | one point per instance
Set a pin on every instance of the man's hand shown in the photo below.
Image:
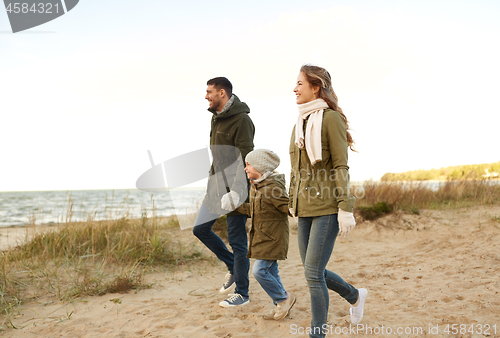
(230, 200)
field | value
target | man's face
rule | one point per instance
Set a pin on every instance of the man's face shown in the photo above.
(214, 98)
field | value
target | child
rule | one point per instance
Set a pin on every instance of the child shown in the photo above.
(269, 231)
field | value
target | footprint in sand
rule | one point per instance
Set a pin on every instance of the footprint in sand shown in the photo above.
(446, 299)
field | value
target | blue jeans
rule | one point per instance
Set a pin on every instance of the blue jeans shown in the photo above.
(267, 274)
(237, 262)
(316, 236)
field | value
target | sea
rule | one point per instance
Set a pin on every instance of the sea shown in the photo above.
(51, 207)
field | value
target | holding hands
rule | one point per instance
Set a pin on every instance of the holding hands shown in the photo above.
(230, 200)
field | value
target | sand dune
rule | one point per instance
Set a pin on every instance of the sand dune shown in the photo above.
(423, 273)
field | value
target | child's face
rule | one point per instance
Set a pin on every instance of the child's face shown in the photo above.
(252, 173)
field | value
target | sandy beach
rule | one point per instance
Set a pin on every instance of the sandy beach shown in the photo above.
(11, 236)
(424, 274)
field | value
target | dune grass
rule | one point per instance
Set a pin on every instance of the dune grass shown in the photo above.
(374, 199)
(93, 257)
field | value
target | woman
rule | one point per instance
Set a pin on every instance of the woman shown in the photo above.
(319, 191)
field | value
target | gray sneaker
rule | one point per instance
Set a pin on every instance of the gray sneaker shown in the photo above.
(235, 300)
(283, 308)
(229, 285)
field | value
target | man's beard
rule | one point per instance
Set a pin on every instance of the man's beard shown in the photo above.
(215, 104)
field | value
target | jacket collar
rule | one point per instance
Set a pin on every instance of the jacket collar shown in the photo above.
(274, 178)
(237, 107)
(228, 105)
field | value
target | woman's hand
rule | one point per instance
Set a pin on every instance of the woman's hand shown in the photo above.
(346, 222)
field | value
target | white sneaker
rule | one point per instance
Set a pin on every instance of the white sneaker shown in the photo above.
(357, 311)
(229, 285)
(270, 314)
(283, 308)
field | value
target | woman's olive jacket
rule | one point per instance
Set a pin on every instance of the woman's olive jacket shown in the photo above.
(321, 189)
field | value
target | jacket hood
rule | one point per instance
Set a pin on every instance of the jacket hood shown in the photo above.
(236, 108)
(274, 178)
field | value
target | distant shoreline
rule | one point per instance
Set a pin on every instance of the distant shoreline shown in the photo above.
(443, 180)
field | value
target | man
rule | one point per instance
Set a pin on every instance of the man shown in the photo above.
(231, 139)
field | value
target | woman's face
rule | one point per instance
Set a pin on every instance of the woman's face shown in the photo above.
(304, 90)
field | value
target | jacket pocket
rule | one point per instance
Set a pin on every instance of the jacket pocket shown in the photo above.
(257, 201)
(223, 134)
(315, 191)
(269, 229)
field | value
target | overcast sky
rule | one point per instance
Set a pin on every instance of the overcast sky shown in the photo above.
(83, 97)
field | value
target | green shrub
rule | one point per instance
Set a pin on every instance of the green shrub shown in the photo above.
(374, 211)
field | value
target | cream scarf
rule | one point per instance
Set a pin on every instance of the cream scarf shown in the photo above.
(312, 138)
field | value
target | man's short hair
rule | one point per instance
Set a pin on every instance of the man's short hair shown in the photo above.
(221, 83)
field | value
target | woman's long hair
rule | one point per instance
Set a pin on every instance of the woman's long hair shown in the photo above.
(319, 77)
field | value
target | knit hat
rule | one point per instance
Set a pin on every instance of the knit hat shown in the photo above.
(263, 160)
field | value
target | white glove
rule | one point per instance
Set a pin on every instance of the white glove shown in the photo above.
(226, 200)
(346, 222)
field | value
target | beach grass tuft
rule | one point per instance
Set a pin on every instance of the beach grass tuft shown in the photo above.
(374, 211)
(93, 257)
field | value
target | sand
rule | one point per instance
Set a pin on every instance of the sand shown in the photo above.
(12, 236)
(424, 273)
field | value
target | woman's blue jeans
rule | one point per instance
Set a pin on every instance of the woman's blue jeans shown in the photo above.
(316, 236)
(267, 274)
